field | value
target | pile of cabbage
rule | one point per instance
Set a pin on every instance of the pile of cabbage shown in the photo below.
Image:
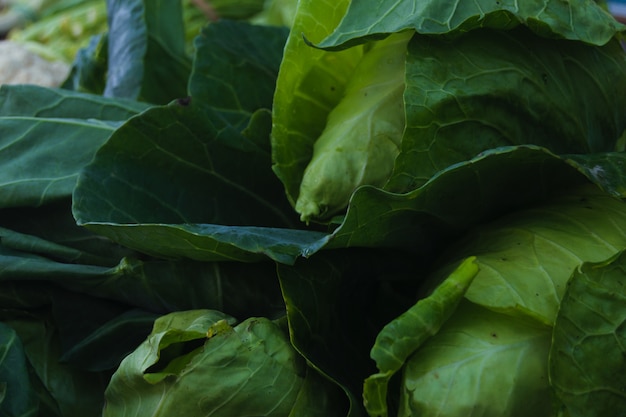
(327, 208)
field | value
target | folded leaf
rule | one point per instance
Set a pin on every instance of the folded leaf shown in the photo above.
(310, 83)
(250, 369)
(405, 334)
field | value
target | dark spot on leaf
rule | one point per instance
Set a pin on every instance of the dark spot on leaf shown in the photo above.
(494, 335)
(332, 88)
(184, 101)
(504, 259)
(544, 77)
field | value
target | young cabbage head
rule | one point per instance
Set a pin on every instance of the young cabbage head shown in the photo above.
(363, 132)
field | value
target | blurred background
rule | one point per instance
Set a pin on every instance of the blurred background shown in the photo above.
(39, 39)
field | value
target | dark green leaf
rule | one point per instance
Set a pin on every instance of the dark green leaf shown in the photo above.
(35, 245)
(604, 169)
(62, 389)
(503, 179)
(89, 69)
(203, 171)
(587, 367)
(41, 157)
(146, 50)
(235, 68)
(158, 286)
(336, 304)
(34, 101)
(486, 90)
(17, 398)
(54, 223)
(104, 348)
(582, 20)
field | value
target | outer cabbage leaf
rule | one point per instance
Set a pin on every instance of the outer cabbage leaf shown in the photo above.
(232, 61)
(587, 367)
(250, 369)
(62, 389)
(469, 193)
(17, 399)
(481, 363)
(35, 101)
(487, 90)
(48, 136)
(527, 257)
(41, 157)
(146, 51)
(334, 335)
(583, 20)
(453, 201)
(310, 84)
(199, 166)
(162, 286)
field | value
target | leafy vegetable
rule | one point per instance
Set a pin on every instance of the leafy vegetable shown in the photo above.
(250, 369)
(581, 20)
(526, 258)
(561, 95)
(402, 336)
(480, 362)
(499, 88)
(153, 260)
(586, 358)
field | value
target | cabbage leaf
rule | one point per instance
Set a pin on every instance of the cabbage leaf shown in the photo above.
(589, 341)
(480, 363)
(581, 20)
(527, 257)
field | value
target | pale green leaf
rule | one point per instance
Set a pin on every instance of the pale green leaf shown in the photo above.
(481, 363)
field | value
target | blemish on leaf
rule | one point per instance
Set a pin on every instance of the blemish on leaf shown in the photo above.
(184, 101)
